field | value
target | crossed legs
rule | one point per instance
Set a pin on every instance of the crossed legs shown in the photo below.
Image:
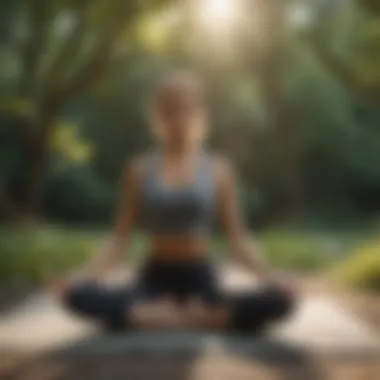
(121, 309)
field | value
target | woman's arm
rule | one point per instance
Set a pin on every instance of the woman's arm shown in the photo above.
(245, 249)
(126, 215)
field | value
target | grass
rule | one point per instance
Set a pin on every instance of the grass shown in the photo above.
(38, 255)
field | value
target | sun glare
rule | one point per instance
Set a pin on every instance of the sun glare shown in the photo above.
(217, 14)
(215, 26)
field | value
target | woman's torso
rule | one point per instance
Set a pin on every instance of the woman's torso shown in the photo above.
(177, 211)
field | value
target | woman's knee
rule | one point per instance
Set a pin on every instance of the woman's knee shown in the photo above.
(95, 302)
(283, 302)
(255, 310)
(78, 298)
(270, 304)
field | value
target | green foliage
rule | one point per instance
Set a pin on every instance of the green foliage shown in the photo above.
(371, 6)
(154, 32)
(40, 255)
(76, 195)
(361, 270)
(299, 251)
(334, 134)
(67, 143)
(17, 107)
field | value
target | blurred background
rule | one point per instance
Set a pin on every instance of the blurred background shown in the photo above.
(294, 94)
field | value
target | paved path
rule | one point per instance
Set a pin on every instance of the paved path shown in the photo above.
(319, 324)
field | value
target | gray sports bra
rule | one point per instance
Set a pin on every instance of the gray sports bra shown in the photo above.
(184, 210)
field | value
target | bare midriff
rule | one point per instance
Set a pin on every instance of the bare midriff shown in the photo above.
(178, 248)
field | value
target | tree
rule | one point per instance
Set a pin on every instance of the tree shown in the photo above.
(268, 61)
(353, 68)
(50, 77)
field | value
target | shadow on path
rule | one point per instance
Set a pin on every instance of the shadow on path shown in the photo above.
(182, 356)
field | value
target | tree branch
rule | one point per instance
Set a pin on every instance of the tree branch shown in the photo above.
(325, 13)
(70, 47)
(344, 73)
(38, 13)
(7, 204)
(122, 12)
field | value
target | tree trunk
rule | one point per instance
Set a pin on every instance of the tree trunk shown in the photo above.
(283, 123)
(36, 160)
(271, 69)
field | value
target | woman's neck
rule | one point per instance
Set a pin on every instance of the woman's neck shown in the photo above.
(181, 151)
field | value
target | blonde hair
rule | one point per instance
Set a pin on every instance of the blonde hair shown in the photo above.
(184, 82)
(181, 81)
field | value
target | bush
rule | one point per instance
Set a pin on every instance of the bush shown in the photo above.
(298, 251)
(362, 269)
(292, 250)
(77, 196)
(39, 255)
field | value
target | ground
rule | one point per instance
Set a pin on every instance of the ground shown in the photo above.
(324, 339)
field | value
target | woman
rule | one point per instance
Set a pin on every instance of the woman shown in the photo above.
(176, 191)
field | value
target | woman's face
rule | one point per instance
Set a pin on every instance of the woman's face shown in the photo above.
(180, 116)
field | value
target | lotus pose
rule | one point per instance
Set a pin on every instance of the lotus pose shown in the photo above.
(175, 191)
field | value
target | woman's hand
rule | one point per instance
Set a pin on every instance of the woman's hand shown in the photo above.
(285, 283)
(267, 276)
(60, 286)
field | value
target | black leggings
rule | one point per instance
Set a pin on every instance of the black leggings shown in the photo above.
(250, 311)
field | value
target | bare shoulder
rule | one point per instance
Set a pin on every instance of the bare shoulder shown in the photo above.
(222, 163)
(223, 167)
(135, 168)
